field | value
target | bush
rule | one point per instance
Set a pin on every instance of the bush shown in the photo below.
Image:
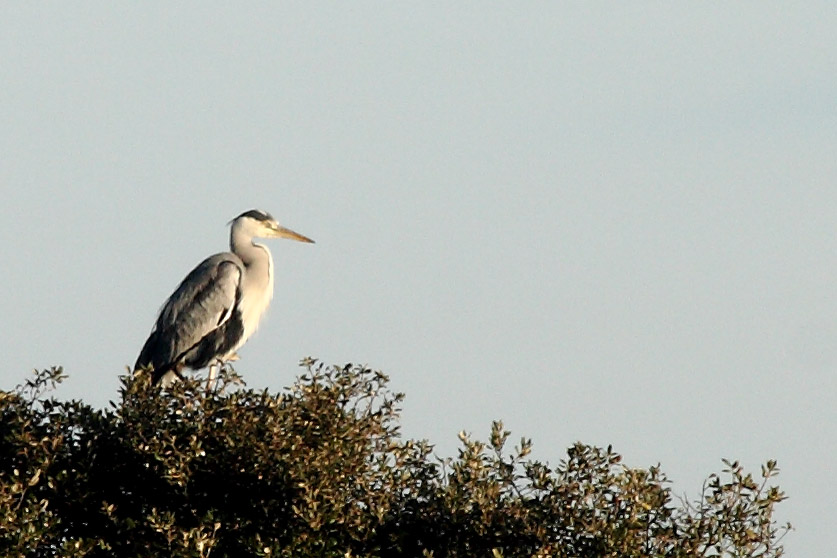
(320, 470)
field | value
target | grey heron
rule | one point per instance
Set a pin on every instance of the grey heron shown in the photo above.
(218, 306)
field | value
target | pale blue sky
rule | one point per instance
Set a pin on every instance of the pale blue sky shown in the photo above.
(597, 222)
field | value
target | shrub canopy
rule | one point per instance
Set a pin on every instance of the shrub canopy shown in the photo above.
(321, 470)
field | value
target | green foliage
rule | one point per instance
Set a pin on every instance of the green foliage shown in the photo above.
(320, 470)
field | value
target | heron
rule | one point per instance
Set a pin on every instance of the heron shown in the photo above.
(218, 306)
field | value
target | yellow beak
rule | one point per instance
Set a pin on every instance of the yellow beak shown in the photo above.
(281, 232)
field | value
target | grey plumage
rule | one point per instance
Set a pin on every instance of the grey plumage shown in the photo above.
(218, 305)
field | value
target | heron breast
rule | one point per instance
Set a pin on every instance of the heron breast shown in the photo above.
(254, 302)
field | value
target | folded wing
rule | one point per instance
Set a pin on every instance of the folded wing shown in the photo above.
(197, 314)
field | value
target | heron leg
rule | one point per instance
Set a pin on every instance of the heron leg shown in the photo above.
(170, 375)
(212, 376)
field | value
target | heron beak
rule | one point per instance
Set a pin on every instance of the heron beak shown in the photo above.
(281, 232)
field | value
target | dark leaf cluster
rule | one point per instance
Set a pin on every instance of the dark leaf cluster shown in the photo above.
(320, 469)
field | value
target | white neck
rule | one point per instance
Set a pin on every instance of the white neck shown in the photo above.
(257, 281)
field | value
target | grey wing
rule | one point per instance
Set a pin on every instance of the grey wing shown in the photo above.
(202, 303)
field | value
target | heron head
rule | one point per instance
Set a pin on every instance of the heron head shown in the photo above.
(261, 224)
